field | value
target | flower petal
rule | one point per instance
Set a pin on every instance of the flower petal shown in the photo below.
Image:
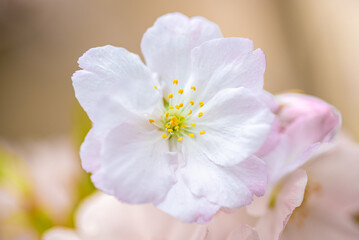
(231, 186)
(290, 196)
(102, 217)
(167, 45)
(226, 63)
(136, 165)
(112, 71)
(305, 124)
(236, 125)
(108, 114)
(183, 205)
(243, 232)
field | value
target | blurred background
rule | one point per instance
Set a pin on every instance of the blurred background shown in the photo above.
(310, 45)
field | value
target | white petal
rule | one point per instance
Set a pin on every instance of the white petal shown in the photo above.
(231, 186)
(236, 125)
(112, 71)
(167, 45)
(108, 114)
(226, 63)
(136, 165)
(183, 205)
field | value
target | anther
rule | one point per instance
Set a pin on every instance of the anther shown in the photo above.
(193, 88)
(201, 104)
(183, 125)
(177, 106)
(151, 120)
(167, 114)
(179, 139)
(190, 112)
(175, 81)
(170, 107)
(203, 132)
(176, 127)
(164, 136)
(170, 130)
(193, 124)
(180, 91)
(200, 114)
(170, 95)
(181, 105)
(191, 102)
(191, 135)
(155, 87)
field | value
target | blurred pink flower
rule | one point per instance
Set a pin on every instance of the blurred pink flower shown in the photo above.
(38, 186)
(324, 209)
(304, 124)
(181, 132)
(330, 208)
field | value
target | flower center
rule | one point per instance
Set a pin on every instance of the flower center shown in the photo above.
(179, 114)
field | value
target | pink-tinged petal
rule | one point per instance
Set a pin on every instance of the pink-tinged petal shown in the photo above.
(226, 63)
(274, 134)
(136, 165)
(305, 124)
(236, 125)
(244, 232)
(167, 45)
(226, 223)
(284, 200)
(331, 200)
(112, 71)
(335, 171)
(231, 187)
(193, 209)
(104, 217)
(59, 233)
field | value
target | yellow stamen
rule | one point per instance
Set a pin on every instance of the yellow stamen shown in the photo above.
(164, 136)
(183, 126)
(193, 124)
(191, 135)
(151, 120)
(190, 112)
(177, 106)
(170, 130)
(193, 88)
(181, 105)
(175, 81)
(170, 107)
(167, 126)
(203, 132)
(191, 102)
(167, 114)
(180, 139)
(200, 114)
(176, 127)
(170, 95)
(180, 91)
(201, 104)
(155, 87)
(174, 121)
